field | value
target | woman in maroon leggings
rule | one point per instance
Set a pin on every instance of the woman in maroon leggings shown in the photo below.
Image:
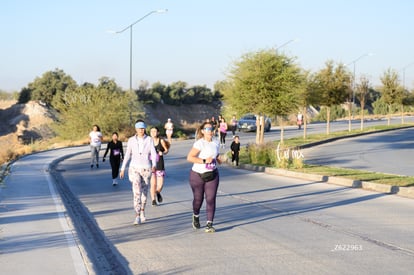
(204, 177)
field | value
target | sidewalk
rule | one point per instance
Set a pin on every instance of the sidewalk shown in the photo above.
(35, 235)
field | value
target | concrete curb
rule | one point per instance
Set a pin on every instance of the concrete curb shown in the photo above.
(4, 170)
(407, 192)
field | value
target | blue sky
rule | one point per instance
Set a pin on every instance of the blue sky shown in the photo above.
(197, 41)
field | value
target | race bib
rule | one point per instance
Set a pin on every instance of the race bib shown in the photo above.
(212, 165)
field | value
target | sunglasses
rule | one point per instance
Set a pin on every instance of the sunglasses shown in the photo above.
(208, 129)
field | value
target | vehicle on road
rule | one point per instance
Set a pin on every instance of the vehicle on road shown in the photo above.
(247, 123)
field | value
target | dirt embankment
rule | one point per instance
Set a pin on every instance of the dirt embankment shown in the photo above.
(22, 124)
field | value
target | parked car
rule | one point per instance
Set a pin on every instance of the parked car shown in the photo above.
(248, 123)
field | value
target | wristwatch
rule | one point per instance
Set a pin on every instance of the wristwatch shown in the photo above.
(204, 161)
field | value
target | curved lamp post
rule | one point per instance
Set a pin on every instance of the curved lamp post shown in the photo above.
(354, 62)
(130, 40)
(288, 42)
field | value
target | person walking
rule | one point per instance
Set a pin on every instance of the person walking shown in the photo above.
(235, 150)
(299, 120)
(169, 129)
(204, 175)
(233, 125)
(214, 124)
(115, 156)
(141, 152)
(223, 132)
(95, 142)
(157, 178)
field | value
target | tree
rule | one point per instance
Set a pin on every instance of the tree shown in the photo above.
(362, 92)
(391, 91)
(105, 105)
(50, 84)
(308, 97)
(332, 84)
(264, 83)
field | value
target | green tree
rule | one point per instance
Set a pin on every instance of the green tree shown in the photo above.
(105, 105)
(391, 91)
(362, 93)
(332, 84)
(264, 82)
(50, 84)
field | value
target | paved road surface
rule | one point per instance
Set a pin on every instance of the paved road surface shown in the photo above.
(265, 224)
(390, 152)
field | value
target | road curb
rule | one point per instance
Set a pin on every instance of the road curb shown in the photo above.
(4, 171)
(407, 192)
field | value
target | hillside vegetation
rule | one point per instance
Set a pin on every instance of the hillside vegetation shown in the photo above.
(25, 128)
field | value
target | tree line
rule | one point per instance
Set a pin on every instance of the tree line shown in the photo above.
(263, 82)
(105, 104)
(270, 83)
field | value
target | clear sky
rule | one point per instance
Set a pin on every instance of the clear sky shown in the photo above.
(197, 41)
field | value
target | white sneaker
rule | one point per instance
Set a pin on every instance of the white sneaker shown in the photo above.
(137, 221)
(142, 216)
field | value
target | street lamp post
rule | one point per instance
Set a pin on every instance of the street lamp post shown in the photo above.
(403, 69)
(353, 84)
(284, 44)
(130, 40)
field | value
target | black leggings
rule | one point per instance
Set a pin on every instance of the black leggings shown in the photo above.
(115, 163)
(201, 189)
(223, 138)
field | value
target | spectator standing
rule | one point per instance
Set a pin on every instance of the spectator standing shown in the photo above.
(141, 152)
(235, 150)
(115, 156)
(95, 142)
(204, 176)
(157, 178)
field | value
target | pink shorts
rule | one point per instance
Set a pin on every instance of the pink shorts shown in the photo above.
(160, 173)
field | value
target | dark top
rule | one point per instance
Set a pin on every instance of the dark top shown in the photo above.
(235, 147)
(117, 150)
(160, 159)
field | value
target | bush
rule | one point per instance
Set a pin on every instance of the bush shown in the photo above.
(336, 112)
(271, 155)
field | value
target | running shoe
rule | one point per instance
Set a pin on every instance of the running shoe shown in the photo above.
(159, 197)
(142, 217)
(136, 220)
(210, 228)
(154, 203)
(196, 222)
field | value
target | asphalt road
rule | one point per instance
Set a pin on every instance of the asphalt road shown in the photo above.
(265, 224)
(388, 152)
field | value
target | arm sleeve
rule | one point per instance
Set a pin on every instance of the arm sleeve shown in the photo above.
(107, 149)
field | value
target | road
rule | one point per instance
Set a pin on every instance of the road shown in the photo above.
(265, 224)
(385, 153)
